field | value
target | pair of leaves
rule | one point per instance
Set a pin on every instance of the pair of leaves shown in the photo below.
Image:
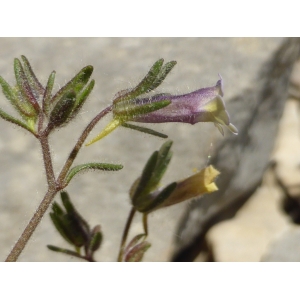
(136, 249)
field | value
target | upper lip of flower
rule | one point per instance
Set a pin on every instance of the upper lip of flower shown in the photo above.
(203, 105)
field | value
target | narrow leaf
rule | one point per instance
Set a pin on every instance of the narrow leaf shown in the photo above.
(135, 241)
(11, 119)
(23, 108)
(65, 251)
(81, 98)
(95, 241)
(145, 130)
(48, 92)
(57, 209)
(142, 186)
(24, 86)
(60, 227)
(144, 86)
(163, 160)
(136, 253)
(76, 83)
(165, 70)
(62, 110)
(67, 202)
(35, 85)
(91, 166)
(74, 213)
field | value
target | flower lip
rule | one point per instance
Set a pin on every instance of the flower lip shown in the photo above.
(203, 105)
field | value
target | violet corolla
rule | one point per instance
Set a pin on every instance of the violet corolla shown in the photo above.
(203, 105)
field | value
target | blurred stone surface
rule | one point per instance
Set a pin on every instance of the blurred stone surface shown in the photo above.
(247, 236)
(262, 230)
(243, 159)
(286, 247)
(102, 198)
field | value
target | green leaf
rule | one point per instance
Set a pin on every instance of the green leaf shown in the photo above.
(152, 80)
(57, 209)
(136, 253)
(165, 70)
(96, 240)
(142, 186)
(147, 207)
(65, 251)
(13, 120)
(67, 202)
(48, 92)
(24, 85)
(23, 108)
(74, 213)
(81, 98)
(135, 241)
(76, 83)
(62, 110)
(145, 130)
(61, 227)
(35, 85)
(91, 166)
(163, 160)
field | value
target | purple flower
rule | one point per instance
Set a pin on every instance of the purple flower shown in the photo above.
(203, 105)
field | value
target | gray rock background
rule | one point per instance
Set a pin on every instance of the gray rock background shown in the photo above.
(102, 198)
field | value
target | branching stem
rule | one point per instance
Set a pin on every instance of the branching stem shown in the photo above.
(54, 186)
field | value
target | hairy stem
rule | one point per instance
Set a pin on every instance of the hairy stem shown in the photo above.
(47, 161)
(125, 233)
(79, 144)
(54, 186)
(33, 223)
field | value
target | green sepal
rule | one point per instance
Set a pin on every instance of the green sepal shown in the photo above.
(147, 206)
(35, 85)
(24, 109)
(136, 254)
(48, 93)
(126, 111)
(96, 239)
(62, 110)
(91, 166)
(152, 80)
(11, 119)
(76, 83)
(24, 86)
(145, 130)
